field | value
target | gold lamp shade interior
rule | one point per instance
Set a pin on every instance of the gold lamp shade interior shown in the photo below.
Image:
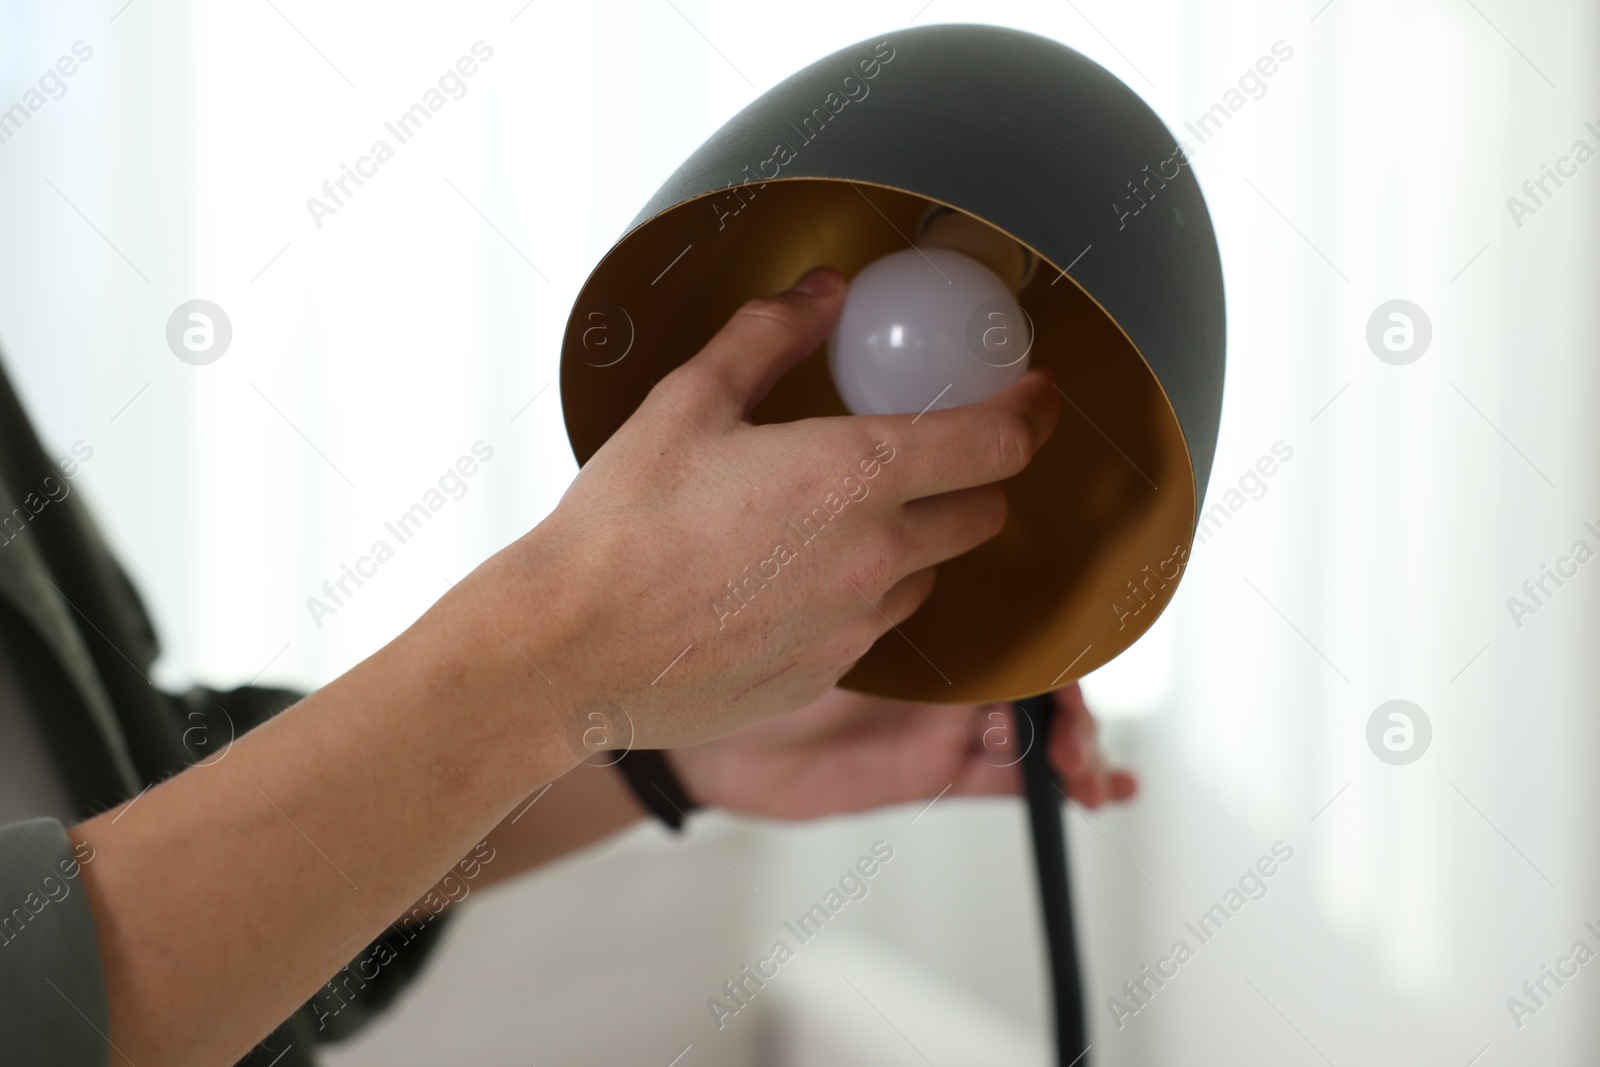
(1101, 522)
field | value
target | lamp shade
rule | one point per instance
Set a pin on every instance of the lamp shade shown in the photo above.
(1021, 140)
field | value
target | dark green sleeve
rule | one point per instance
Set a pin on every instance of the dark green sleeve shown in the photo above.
(52, 991)
(375, 977)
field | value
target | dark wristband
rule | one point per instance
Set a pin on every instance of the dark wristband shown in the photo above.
(656, 787)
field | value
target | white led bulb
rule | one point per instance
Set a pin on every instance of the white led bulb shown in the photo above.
(926, 323)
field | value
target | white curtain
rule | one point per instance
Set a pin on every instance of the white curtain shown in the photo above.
(374, 344)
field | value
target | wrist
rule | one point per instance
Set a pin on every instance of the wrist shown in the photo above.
(686, 770)
(486, 667)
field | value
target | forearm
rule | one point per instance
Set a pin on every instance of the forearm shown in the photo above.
(584, 806)
(225, 896)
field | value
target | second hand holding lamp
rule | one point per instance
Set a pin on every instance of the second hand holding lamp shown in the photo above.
(997, 200)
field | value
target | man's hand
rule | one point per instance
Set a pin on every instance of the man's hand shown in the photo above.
(847, 752)
(704, 572)
(841, 753)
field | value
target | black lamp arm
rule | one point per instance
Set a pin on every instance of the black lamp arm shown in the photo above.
(1033, 720)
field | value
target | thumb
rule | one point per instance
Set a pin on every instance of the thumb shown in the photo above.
(767, 337)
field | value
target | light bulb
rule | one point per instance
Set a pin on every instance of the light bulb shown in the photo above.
(926, 328)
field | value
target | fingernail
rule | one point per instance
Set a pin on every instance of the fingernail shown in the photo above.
(818, 281)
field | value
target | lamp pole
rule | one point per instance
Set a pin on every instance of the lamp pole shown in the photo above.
(1045, 802)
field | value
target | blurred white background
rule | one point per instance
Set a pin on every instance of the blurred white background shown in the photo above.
(372, 351)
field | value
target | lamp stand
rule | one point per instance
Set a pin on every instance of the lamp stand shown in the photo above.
(1045, 800)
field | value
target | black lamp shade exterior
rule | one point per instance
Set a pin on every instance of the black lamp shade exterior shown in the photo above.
(1048, 147)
